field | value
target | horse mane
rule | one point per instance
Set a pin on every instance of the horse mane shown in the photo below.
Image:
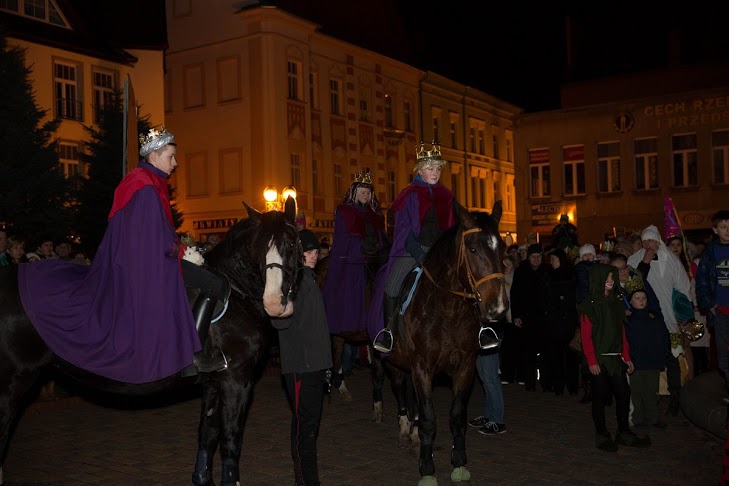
(442, 249)
(236, 257)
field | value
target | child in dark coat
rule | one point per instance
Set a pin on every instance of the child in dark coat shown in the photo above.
(650, 345)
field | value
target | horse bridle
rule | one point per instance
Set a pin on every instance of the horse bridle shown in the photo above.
(469, 273)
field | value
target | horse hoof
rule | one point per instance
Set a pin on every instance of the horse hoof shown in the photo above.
(377, 413)
(344, 393)
(428, 481)
(460, 474)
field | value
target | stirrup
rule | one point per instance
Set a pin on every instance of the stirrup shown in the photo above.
(214, 369)
(486, 341)
(379, 346)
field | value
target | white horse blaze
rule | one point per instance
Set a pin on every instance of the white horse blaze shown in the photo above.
(272, 295)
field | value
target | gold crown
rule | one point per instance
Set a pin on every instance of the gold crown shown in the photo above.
(188, 240)
(634, 283)
(154, 140)
(432, 154)
(363, 178)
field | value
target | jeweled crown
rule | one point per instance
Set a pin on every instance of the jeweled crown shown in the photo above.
(433, 153)
(362, 177)
(153, 140)
(634, 283)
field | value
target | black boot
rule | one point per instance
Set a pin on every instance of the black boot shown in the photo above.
(385, 339)
(202, 311)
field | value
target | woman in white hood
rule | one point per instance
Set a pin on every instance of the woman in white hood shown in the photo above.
(665, 273)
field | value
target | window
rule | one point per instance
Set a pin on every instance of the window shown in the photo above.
(43, 10)
(508, 150)
(509, 197)
(338, 187)
(314, 90)
(646, 163)
(315, 187)
(364, 103)
(294, 68)
(68, 155)
(685, 160)
(335, 97)
(11, 5)
(391, 186)
(104, 87)
(720, 156)
(455, 184)
(388, 111)
(436, 124)
(472, 137)
(495, 142)
(66, 91)
(35, 8)
(407, 113)
(481, 141)
(539, 185)
(295, 170)
(453, 119)
(608, 167)
(573, 158)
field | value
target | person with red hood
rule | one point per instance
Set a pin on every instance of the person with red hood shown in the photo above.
(422, 211)
(127, 316)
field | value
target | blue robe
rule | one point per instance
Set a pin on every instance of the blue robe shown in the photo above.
(126, 316)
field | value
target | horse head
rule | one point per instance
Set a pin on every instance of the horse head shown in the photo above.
(275, 249)
(481, 261)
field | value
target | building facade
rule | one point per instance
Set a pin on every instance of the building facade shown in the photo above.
(610, 165)
(259, 97)
(74, 74)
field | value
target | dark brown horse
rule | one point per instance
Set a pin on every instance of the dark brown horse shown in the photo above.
(261, 256)
(460, 289)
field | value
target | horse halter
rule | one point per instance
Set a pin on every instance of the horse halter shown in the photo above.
(462, 260)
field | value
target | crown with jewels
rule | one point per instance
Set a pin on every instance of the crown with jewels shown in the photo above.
(428, 158)
(433, 153)
(363, 178)
(154, 140)
(634, 283)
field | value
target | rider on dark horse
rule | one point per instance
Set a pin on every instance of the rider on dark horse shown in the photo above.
(423, 211)
(127, 316)
(359, 244)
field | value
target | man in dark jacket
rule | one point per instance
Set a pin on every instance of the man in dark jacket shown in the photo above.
(305, 358)
(525, 309)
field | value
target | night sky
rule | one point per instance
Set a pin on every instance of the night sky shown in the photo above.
(522, 46)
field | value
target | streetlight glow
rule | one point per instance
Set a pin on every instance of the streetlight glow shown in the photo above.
(276, 201)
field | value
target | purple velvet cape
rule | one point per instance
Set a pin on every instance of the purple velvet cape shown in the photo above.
(126, 316)
(407, 220)
(344, 288)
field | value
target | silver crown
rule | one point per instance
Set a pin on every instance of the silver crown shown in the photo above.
(154, 140)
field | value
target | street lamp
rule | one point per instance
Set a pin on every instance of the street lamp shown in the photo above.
(276, 201)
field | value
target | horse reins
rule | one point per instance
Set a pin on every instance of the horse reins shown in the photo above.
(471, 279)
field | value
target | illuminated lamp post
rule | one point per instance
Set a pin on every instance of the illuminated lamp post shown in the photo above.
(276, 201)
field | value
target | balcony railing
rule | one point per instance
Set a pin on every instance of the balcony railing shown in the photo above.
(69, 109)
